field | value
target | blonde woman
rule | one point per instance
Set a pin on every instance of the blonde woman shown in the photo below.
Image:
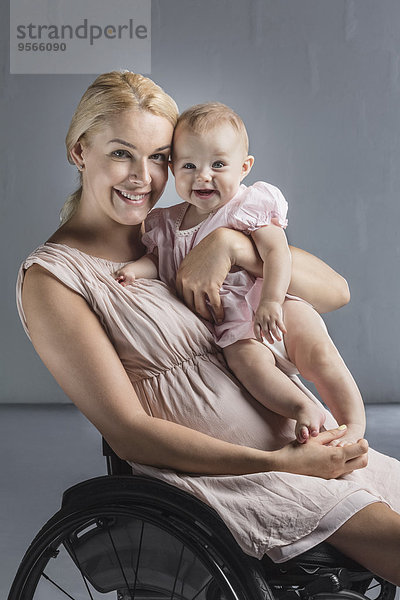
(145, 371)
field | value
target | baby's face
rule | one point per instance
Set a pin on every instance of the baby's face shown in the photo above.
(208, 167)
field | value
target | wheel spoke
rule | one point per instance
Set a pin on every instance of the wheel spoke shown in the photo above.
(137, 560)
(119, 560)
(177, 572)
(202, 589)
(57, 586)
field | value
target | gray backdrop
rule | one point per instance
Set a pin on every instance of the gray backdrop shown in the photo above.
(318, 85)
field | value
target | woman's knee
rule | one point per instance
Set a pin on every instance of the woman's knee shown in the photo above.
(372, 538)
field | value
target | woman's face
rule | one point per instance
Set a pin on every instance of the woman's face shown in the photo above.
(126, 166)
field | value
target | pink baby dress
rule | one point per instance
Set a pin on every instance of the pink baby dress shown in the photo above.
(251, 208)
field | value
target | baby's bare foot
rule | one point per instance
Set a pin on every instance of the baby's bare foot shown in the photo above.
(310, 419)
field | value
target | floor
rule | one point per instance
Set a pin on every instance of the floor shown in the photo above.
(45, 449)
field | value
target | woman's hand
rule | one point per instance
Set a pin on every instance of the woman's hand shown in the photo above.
(203, 271)
(353, 433)
(320, 459)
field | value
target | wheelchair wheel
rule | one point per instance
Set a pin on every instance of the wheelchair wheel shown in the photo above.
(133, 538)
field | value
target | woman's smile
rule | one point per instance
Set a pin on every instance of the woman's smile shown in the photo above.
(137, 199)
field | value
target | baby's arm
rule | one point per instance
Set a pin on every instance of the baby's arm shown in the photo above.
(145, 267)
(273, 248)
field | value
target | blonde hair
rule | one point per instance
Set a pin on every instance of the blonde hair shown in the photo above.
(202, 118)
(110, 94)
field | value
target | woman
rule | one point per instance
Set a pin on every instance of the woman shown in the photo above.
(144, 370)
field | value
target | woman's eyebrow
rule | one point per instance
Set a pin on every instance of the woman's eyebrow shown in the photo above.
(123, 142)
(119, 141)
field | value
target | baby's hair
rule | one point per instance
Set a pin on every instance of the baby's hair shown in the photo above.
(202, 118)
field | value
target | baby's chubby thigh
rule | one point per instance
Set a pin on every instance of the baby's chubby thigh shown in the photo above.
(305, 330)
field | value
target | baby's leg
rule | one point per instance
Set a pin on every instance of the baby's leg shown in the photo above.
(254, 365)
(311, 349)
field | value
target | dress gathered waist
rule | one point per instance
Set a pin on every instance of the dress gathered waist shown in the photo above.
(136, 377)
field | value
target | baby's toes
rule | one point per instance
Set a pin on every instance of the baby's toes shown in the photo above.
(302, 433)
(314, 430)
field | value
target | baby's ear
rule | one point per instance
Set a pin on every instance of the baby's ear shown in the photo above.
(247, 166)
(171, 166)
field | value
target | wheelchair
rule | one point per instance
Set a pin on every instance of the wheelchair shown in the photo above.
(126, 537)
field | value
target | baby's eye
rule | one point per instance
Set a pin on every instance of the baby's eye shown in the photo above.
(189, 166)
(218, 164)
(120, 154)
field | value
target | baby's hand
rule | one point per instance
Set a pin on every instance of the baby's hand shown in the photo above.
(268, 321)
(125, 276)
(354, 432)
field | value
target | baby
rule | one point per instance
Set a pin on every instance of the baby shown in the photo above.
(265, 331)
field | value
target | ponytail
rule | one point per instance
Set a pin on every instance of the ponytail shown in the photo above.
(70, 206)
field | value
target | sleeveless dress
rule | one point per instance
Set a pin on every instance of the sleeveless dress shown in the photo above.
(179, 374)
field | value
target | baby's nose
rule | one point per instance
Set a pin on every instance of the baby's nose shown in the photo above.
(204, 175)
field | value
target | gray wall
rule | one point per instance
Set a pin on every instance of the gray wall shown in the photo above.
(318, 85)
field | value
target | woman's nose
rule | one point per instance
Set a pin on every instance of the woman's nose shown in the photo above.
(140, 175)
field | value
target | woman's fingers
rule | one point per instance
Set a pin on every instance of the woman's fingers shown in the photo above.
(198, 301)
(202, 306)
(188, 297)
(215, 305)
(330, 435)
(356, 456)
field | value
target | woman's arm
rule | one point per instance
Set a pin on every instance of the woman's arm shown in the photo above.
(315, 281)
(205, 268)
(73, 345)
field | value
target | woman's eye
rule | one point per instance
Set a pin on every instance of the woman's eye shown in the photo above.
(218, 164)
(189, 166)
(120, 154)
(159, 157)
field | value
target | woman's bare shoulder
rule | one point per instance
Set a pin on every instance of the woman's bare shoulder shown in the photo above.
(39, 283)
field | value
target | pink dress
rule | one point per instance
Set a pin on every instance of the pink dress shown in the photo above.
(251, 208)
(179, 375)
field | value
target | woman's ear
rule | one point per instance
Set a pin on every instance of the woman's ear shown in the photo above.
(76, 155)
(246, 166)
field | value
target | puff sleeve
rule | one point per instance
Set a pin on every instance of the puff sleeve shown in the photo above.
(258, 205)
